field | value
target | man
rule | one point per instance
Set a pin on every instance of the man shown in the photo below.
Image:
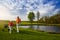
(18, 20)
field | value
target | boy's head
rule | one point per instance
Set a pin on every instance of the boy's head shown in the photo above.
(10, 20)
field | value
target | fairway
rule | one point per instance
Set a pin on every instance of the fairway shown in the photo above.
(28, 34)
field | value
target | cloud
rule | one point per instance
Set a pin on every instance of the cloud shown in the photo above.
(5, 14)
(45, 9)
(14, 8)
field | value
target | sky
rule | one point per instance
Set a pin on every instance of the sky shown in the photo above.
(10, 9)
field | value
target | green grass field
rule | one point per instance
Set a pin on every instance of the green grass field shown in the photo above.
(26, 34)
(28, 23)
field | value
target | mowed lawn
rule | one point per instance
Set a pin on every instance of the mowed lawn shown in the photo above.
(26, 34)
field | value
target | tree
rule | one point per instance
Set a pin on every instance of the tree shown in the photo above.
(38, 16)
(31, 17)
(46, 19)
(55, 19)
(42, 20)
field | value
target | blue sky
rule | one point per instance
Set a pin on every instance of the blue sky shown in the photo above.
(10, 9)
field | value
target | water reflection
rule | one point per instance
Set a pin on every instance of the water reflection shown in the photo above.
(45, 28)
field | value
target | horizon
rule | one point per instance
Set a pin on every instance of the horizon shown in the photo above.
(10, 9)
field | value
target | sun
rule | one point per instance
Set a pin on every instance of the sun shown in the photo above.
(4, 13)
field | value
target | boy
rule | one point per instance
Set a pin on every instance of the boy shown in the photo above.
(18, 20)
(10, 25)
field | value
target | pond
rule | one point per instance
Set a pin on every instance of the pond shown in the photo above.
(45, 28)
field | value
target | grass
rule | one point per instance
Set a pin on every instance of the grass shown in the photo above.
(28, 34)
(35, 23)
(2, 22)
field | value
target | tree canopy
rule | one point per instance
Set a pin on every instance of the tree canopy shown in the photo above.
(31, 16)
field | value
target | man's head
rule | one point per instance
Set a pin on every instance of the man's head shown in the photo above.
(17, 16)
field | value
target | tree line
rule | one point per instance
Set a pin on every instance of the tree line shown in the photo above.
(55, 19)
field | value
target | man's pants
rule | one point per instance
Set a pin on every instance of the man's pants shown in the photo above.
(10, 28)
(17, 26)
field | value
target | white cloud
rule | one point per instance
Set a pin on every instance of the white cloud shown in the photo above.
(56, 11)
(5, 14)
(46, 8)
(10, 9)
